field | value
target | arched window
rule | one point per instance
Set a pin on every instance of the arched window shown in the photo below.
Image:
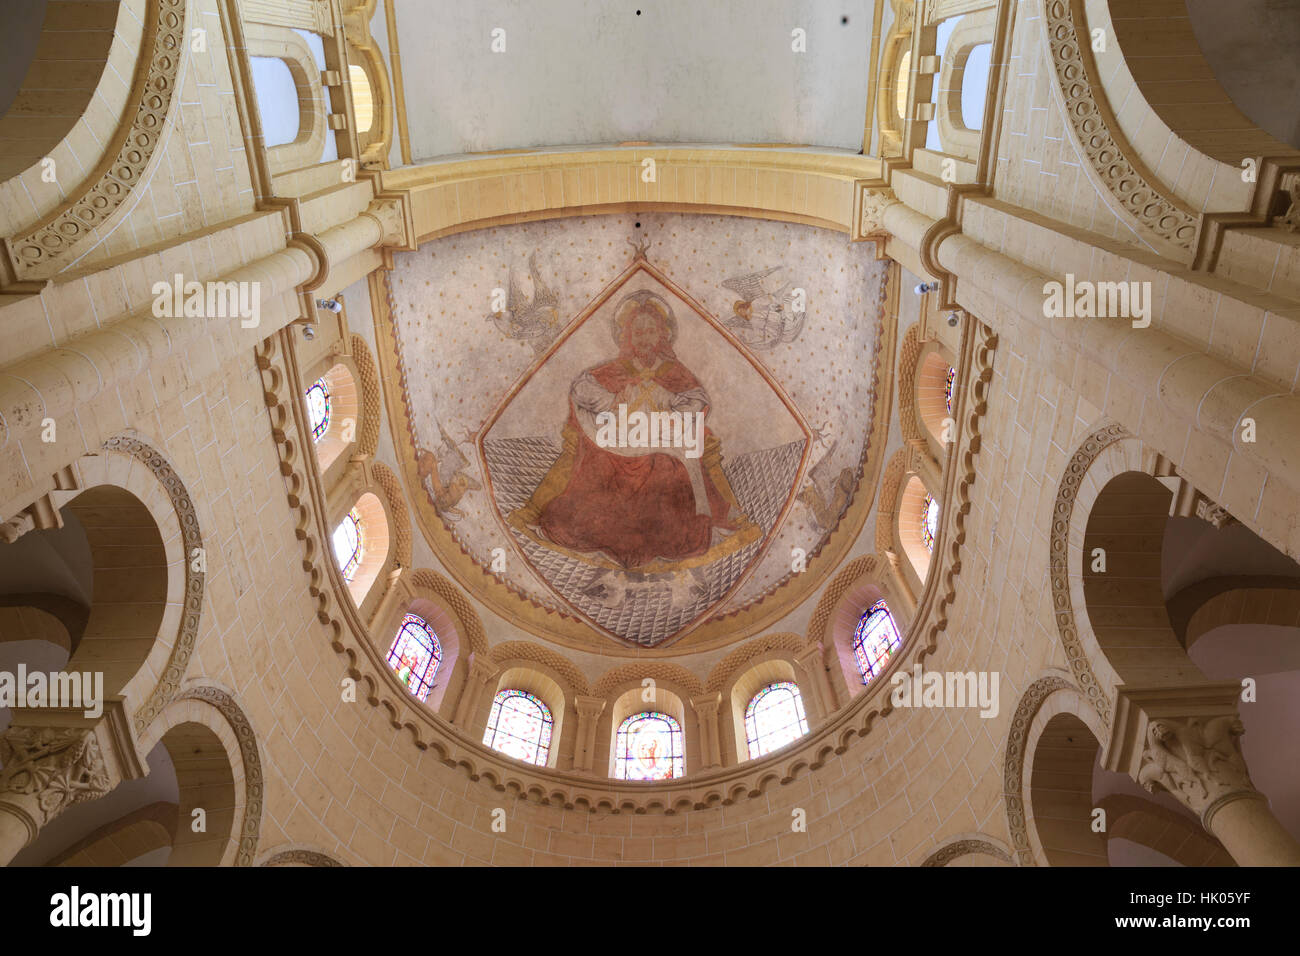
(929, 521)
(349, 544)
(415, 655)
(901, 82)
(774, 718)
(318, 408)
(520, 726)
(363, 103)
(649, 747)
(874, 641)
(947, 388)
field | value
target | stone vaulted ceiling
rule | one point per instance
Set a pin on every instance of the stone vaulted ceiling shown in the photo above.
(501, 332)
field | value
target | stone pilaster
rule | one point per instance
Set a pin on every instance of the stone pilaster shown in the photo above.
(589, 710)
(706, 710)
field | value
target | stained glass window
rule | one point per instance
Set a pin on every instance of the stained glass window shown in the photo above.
(947, 388)
(348, 544)
(649, 747)
(520, 726)
(874, 641)
(318, 409)
(929, 521)
(415, 655)
(774, 718)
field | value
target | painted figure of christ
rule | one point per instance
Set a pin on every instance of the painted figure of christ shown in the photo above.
(637, 505)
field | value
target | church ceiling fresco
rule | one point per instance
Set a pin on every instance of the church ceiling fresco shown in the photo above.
(634, 421)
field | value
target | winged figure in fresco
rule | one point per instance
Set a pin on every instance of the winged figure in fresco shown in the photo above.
(536, 320)
(444, 473)
(827, 492)
(764, 316)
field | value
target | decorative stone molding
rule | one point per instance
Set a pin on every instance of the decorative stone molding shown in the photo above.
(509, 651)
(300, 858)
(192, 542)
(661, 671)
(249, 754)
(401, 530)
(371, 399)
(57, 766)
(946, 854)
(1096, 133)
(848, 576)
(1059, 563)
(468, 624)
(43, 251)
(734, 662)
(1013, 763)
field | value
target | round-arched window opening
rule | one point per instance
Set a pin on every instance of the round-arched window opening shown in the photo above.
(901, 84)
(929, 521)
(349, 543)
(774, 718)
(948, 384)
(416, 655)
(649, 747)
(318, 408)
(520, 726)
(875, 641)
(363, 103)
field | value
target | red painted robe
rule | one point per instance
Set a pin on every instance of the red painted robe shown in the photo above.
(639, 508)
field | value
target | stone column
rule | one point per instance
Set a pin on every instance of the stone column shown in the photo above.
(584, 752)
(706, 710)
(46, 770)
(481, 674)
(813, 663)
(1185, 740)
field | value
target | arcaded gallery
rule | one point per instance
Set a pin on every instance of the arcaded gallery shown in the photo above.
(733, 433)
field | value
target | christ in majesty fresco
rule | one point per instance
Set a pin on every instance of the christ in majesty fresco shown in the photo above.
(646, 508)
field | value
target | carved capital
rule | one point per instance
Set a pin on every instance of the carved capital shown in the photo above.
(589, 708)
(54, 766)
(706, 705)
(1196, 760)
(1183, 740)
(872, 203)
(388, 213)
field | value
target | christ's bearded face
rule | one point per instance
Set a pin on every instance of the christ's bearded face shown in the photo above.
(645, 333)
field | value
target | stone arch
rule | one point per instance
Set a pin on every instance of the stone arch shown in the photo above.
(1150, 825)
(1051, 751)
(667, 699)
(148, 829)
(146, 549)
(364, 54)
(218, 765)
(777, 664)
(546, 685)
(1148, 38)
(895, 70)
(340, 381)
(377, 551)
(105, 175)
